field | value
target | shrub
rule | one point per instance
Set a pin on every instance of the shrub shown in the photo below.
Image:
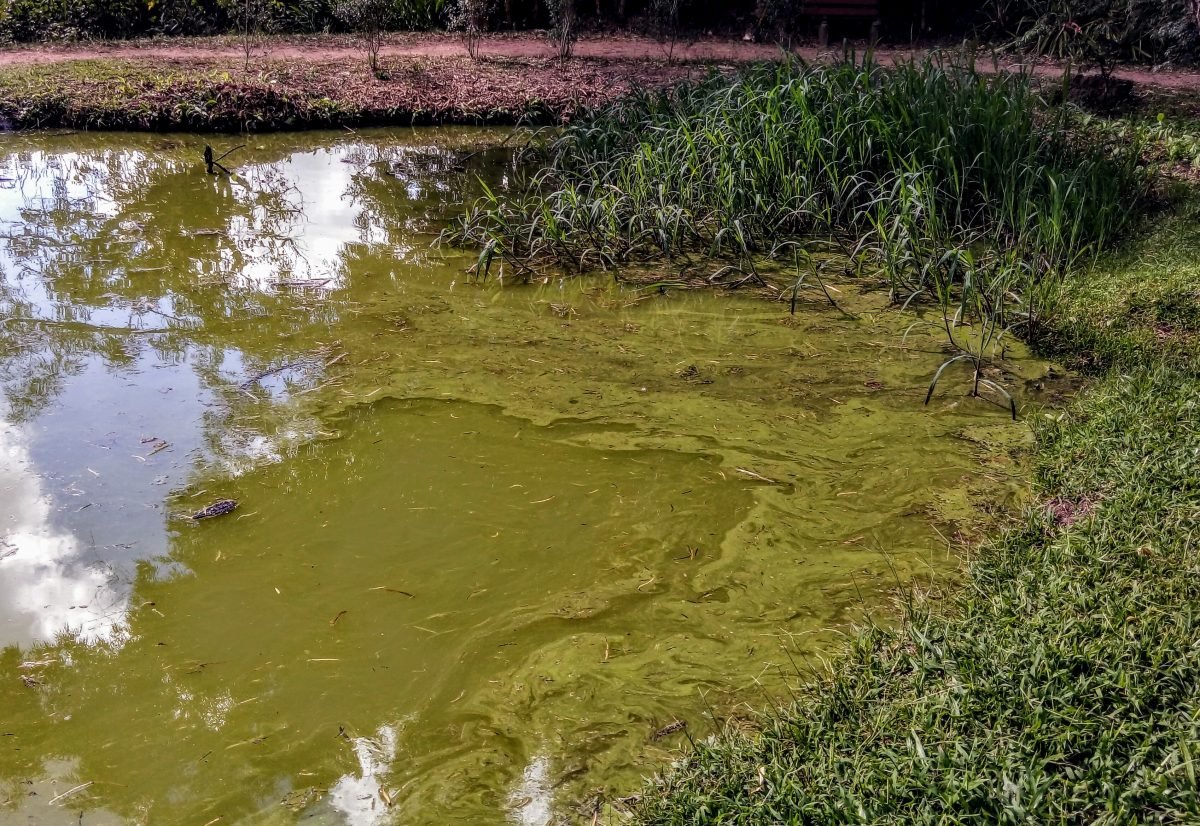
(470, 18)
(373, 19)
(73, 19)
(1102, 32)
(564, 26)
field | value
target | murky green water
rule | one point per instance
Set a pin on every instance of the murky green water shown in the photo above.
(489, 540)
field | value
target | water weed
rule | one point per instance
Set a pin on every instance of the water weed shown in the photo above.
(961, 188)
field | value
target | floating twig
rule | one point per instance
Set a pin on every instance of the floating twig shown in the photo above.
(753, 475)
(69, 792)
(211, 164)
(392, 590)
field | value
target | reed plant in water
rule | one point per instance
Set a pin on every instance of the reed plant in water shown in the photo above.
(964, 189)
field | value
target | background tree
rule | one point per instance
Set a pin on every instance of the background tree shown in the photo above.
(666, 17)
(471, 18)
(564, 29)
(371, 20)
(253, 16)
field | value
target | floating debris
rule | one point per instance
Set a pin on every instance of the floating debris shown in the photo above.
(218, 508)
(757, 476)
(302, 283)
(667, 730)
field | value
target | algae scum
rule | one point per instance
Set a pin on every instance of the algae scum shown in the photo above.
(489, 541)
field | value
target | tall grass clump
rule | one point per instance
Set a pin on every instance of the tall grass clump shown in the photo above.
(960, 187)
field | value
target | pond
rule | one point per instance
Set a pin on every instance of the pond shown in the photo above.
(492, 543)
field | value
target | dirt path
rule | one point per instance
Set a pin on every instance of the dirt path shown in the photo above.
(330, 48)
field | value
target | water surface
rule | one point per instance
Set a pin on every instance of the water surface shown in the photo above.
(489, 540)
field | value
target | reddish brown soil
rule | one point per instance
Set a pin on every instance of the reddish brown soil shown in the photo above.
(302, 82)
(337, 48)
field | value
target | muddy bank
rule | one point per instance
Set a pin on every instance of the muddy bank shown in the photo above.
(220, 95)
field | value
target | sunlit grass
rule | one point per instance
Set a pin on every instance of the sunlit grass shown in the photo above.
(1142, 305)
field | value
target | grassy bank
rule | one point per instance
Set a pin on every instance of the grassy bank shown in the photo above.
(1143, 306)
(195, 94)
(1061, 683)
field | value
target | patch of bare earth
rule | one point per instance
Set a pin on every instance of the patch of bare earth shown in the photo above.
(207, 93)
(1065, 511)
(313, 81)
(521, 45)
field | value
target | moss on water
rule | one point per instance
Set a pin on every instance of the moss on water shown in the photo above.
(1055, 687)
(489, 540)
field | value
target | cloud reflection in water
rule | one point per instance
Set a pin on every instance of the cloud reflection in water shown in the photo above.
(45, 587)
